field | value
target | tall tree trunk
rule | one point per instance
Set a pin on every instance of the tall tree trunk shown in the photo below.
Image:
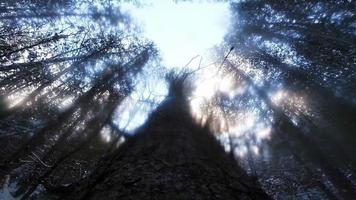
(170, 157)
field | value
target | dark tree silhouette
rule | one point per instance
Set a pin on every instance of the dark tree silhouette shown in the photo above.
(306, 48)
(170, 157)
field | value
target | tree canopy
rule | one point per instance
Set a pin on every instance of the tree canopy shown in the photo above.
(79, 77)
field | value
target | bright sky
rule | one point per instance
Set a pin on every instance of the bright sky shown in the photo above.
(182, 30)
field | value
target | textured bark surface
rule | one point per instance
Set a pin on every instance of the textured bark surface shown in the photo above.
(170, 157)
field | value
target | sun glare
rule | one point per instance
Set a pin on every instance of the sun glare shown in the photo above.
(182, 30)
(184, 33)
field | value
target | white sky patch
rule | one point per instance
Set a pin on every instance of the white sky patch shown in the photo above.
(182, 30)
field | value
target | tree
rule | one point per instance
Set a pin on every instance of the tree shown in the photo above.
(303, 49)
(170, 157)
(96, 69)
(70, 71)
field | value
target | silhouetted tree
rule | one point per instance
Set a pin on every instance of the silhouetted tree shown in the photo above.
(305, 48)
(96, 69)
(170, 157)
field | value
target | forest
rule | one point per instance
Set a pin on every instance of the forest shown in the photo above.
(177, 99)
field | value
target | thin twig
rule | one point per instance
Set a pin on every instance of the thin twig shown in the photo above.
(191, 60)
(43, 163)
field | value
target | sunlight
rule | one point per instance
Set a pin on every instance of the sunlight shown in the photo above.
(243, 124)
(66, 102)
(16, 98)
(237, 91)
(263, 133)
(255, 149)
(196, 107)
(182, 30)
(226, 85)
(295, 103)
(241, 151)
(210, 81)
(247, 68)
(106, 134)
(279, 96)
(131, 114)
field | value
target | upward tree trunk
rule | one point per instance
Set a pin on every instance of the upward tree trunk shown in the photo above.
(170, 157)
